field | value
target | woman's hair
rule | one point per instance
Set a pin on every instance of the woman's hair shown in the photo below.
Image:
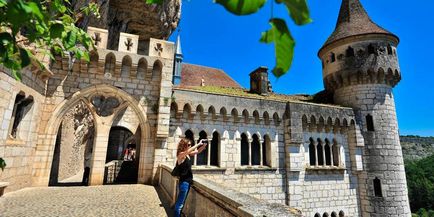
(182, 146)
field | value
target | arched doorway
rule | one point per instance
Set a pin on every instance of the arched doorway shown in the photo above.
(122, 156)
(73, 149)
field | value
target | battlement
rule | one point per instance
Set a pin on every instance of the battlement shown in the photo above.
(370, 61)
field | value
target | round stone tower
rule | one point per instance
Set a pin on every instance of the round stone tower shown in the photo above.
(360, 68)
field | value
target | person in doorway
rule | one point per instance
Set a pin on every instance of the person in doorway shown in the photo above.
(183, 154)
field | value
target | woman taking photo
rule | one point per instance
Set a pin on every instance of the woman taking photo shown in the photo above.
(183, 162)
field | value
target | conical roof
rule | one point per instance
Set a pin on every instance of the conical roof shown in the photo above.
(178, 45)
(352, 21)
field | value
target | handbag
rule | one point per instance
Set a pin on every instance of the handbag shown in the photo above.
(175, 171)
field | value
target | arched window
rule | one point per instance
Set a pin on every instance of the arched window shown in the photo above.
(332, 57)
(317, 215)
(266, 118)
(199, 112)
(377, 187)
(246, 116)
(255, 146)
(334, 214)
(202, 158)
(325, 215)
(22, 106)
(276, 119)
(266, 151)
(244, 149)
(110, 63)
(126, 66)
(256, 116)
(328, 153)
(320, 153)
(186, 112)
(211, 113)
(349, 52)
(142, 68)
(234, 115)
(94, 58)
(371, 49)
(173, 110)
(370, 123)
(215, 146)
(336, 157)
(341, 214)
(157, 69)
(312, 154)
(389, 50)
(223, 113)
(190, 136)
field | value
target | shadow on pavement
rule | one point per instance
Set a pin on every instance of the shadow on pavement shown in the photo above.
(164, 201)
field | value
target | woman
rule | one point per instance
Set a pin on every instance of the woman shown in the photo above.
(184, 165)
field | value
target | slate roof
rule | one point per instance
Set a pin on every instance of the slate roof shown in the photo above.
(192, 75)
(352, 21)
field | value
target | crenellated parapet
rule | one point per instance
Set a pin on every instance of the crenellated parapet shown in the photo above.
(368, 61)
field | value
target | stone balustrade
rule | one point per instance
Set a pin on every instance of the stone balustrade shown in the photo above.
(207, 198)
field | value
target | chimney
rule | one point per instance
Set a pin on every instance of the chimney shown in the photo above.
(259, 83)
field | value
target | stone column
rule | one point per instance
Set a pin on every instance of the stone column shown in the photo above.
(250, 152)
(99, 151)
(316, 152)
(260, 152)
(209, 152)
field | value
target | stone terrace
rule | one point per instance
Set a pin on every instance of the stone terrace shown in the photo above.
(108, 200)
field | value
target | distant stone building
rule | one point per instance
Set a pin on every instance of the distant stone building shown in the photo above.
(333, 154)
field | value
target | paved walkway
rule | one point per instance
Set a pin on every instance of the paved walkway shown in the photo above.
(108, 200)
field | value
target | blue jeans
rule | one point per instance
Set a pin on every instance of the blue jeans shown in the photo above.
(184, 187)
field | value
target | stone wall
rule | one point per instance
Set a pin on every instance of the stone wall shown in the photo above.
(316, 186)
(141, 82)
(200, 112)
(19, 152)
(207, 198)
(382, 155)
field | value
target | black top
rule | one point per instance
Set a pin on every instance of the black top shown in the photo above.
(185, 171)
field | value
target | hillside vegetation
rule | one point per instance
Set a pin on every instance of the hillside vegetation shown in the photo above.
(419, 167)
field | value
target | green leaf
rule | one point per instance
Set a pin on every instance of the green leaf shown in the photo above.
(36, 10)
(71, 39)
(298, 10)
(25, 57)
(56, 30)
(2, 162)
(242, 7)
(16, 74)
(3, 3)
(283, 45)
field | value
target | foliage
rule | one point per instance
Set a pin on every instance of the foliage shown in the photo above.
(30, 26)
(2, 164)
(420, 183)
(279, 33)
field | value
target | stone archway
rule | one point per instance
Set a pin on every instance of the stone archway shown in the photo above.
(102, 101)
(73, 148)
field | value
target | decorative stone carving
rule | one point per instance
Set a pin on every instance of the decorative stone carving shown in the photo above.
(99, 36)
(128, 43)
(161, 48)
(105, 105)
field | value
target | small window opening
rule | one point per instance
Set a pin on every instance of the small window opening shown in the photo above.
(341, 214)
(350, 52)
(370, 123)
(377, 187)
(371, 49)
(389, 50)
(332, 57)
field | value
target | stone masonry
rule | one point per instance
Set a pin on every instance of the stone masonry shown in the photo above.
(334, 156)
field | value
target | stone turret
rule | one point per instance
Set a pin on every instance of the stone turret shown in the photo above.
(360, 68)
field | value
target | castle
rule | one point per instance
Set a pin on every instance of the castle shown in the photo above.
(334, 154)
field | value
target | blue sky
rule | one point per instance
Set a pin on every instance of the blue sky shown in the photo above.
(213, 37)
